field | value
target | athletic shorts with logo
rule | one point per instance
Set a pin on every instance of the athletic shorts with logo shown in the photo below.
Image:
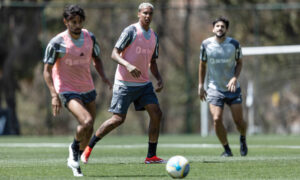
(123, 96)
(219, 98)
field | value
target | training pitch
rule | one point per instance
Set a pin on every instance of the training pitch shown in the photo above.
(122, 157)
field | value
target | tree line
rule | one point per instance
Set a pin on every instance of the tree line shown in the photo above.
(27, 26)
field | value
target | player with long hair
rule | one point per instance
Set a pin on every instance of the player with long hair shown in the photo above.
(67, 74)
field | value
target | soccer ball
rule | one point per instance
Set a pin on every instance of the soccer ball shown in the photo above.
(178, 167)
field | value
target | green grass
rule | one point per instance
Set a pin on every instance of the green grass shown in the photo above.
(270, 157)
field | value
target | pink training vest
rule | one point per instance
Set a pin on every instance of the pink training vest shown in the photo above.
(72, 71)
(138, 53)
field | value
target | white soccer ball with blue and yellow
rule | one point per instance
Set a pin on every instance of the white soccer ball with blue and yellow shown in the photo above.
(178, 167)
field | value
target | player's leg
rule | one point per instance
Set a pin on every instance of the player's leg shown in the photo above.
(106, 127)
(119, 105)
(110, 124)
(83, 116)
(86, 121)
(155, 115)
(146, 100)
(216, 106)
(237, 114)
(91, 107)
(217, 113)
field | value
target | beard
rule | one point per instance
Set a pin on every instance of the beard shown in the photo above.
(220, 35)
(76, 32)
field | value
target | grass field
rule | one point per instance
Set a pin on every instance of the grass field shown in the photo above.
(121, 157)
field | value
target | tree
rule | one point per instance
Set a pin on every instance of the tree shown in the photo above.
(19, 56)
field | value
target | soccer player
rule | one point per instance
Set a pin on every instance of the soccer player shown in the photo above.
(135, 52)
(222, 57)
(67, 74)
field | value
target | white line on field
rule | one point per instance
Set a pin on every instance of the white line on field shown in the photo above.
(134, 146)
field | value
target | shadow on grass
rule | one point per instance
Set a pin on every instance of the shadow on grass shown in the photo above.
(126, 176)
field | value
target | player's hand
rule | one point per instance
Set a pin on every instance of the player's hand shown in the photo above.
(160, 86)
(107, 82)
(202, 93)
(134, 71)
(231, 86)
(56, 105)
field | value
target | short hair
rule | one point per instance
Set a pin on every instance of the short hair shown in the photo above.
(144, 5)
(223, 19)
(73, 10)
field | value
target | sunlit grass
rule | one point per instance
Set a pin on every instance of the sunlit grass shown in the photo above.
(121, 157)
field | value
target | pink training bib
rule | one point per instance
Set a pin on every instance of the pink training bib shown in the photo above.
(138, 53)
(72, 72)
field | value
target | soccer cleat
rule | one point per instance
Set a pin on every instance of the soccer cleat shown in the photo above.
(76, 171)
(154, 160)
(86, 154)
(73, 162)
(243, 148)
(227, 154)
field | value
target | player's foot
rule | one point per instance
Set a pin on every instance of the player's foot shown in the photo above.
(86, 154)
(243, 148)
(227, 154)
(76, 171)
(154, 160)
(73, 162)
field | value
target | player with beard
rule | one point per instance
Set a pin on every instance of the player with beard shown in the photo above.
(136, 52)
(221, 56)
(68, 76)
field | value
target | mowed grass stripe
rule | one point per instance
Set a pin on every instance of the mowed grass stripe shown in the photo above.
(122, 158)
(133, 146)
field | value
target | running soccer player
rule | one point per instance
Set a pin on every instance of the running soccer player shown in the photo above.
(67, 74)
(222, 57)
(135, 52)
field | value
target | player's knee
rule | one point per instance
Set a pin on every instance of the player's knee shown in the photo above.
(118, 120)
(157, 113)
(88, 123)
(217, 120)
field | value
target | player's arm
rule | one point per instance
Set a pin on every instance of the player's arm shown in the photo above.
(231, 86)
(156, 74)
(97, 61)
(202, 73)
(47, 73)
(233, 81)
(154, 68)
(123, 42)
(116, 56)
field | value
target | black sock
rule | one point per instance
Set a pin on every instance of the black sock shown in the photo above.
(75, 145)
(227, 148)
(242, 138)
(151, 149)
(80, 152)
(93, 141)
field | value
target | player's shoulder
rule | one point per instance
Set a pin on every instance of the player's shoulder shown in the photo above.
(92, 35)
(57, 40)
(207, 41)
(233, 41)
(87, 31)
(130, 29)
